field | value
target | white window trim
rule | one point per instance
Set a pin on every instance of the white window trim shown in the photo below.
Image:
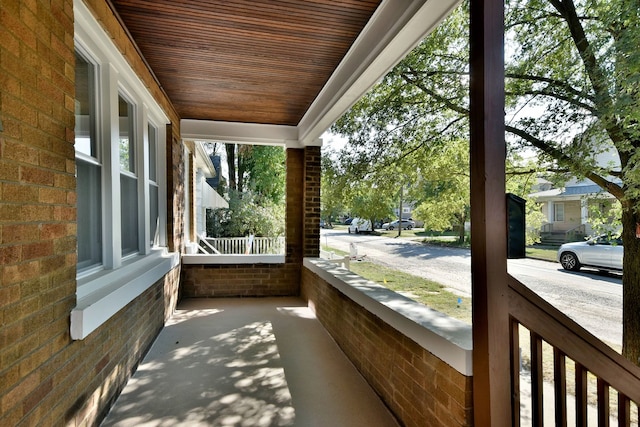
(103, 291)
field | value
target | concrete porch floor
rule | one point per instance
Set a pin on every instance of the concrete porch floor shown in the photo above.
(247, 362)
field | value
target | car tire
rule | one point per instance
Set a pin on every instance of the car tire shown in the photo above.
(357, 231)
(390, 228)
(569, 261)
(349, 230)
(409, 227)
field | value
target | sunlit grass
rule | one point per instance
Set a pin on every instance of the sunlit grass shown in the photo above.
(424, 291)
(547, 254)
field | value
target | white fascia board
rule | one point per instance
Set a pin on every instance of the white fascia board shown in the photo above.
(239, 133)
(396, 28)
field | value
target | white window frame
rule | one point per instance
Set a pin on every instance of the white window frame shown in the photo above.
(102, 291)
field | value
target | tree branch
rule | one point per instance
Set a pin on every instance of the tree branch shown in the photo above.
(557, 154)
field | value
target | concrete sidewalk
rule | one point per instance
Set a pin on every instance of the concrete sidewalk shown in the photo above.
(247, 362)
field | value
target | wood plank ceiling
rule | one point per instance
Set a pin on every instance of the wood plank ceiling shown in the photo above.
(248, 61)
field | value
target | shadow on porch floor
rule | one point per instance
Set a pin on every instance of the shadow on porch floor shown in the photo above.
(246, 362)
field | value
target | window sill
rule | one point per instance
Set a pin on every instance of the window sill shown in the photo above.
(445, 337)
(232, 259)
(103, 294)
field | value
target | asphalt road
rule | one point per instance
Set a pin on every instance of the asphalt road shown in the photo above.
(592, 299)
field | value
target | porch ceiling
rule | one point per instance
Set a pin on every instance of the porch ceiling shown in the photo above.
(279, 63)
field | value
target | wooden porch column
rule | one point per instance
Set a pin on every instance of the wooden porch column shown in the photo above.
(491, 374)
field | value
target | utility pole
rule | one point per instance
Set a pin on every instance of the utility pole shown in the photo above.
(400, 210)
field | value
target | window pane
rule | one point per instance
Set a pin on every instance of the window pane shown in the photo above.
(89, 215)
(129, 214)
(153, 153)
(153, 213)
(127, 143)
(85, 107)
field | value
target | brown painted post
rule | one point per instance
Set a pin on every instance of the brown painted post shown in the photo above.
(491, 374)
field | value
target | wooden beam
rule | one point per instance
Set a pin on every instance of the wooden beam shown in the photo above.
(491, 375)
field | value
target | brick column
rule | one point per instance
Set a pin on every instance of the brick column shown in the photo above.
(312, 172)
(294, 217)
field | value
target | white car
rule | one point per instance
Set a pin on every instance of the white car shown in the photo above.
(360, 225)
(603, 253)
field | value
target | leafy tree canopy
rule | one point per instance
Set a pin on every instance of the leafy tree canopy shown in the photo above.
(572, 85)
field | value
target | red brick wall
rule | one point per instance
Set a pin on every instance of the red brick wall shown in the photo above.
(419, 388)
(45, 378)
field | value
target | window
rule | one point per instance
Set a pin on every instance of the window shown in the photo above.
(128, 178)
(406, 209)
(120, 134)
(558, 212)
(89, 167)
(153, 185)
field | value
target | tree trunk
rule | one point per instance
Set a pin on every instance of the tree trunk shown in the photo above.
(231, 164)
(631, 283)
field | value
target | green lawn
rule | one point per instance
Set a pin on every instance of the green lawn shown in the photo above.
(545, 253)
(421, 290)
(427, 292)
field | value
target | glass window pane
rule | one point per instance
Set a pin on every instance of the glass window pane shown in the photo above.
(126, 136)
(153, 153)
(129, 214)
(89, 215)
(85, 140)
(153, 213)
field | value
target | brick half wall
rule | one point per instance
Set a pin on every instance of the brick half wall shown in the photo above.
(418, 387)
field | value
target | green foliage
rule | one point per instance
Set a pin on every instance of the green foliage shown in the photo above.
(604, 215)
(572, 86)
(244, 216)
(332, 201)
(443, 187)
(257, 204)
(264, 171)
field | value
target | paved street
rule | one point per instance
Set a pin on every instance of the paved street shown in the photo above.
(591, 299)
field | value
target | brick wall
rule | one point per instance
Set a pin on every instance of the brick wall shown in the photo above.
(244, 280)
(419, 388)
(45, 378)
(312, 173)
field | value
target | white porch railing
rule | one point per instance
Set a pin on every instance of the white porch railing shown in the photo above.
(242, 245)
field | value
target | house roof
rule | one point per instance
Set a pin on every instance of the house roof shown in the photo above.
(272, 70)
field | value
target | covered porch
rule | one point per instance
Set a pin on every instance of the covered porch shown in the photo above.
(250, 361)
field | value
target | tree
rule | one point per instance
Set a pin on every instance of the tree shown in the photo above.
(572, 91)
(257, 178)
(444, 188)
(331, 190)
(264, 171)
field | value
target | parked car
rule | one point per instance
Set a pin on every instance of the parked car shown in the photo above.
(348, 221)
(360, 225)
(406, 224)
(325, 224)
(603, 252)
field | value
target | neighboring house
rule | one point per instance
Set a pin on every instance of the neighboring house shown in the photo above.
(567, 209)
(206, 197)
